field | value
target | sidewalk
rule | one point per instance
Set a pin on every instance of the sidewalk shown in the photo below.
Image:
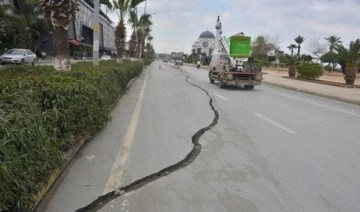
(351, 95)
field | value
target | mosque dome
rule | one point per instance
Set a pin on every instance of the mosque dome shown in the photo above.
(207, 34)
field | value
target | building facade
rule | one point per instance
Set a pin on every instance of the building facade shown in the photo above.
(81, 33)
(205, 44)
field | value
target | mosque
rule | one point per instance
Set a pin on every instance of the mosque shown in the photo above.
(205, 44)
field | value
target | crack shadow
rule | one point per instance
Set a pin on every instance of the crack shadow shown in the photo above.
(190, 157)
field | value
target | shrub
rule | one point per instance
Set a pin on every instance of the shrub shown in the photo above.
(43, 113)
(309, 71)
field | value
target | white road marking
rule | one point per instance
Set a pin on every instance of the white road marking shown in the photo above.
(221, 97)
(324, 106)
(122, 157)
(274, 123)
(89, 157)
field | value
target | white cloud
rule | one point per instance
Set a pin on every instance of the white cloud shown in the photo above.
(177, 24)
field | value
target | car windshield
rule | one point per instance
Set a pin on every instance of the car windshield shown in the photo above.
(15, 52)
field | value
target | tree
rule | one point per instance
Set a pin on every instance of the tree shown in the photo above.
(316, 47)
(124, 7)
(59, 14)
(143, 31)
(261, 47)
(333, 41)
(22, 25)
(299, 40)
(350, 57)
(291, 47)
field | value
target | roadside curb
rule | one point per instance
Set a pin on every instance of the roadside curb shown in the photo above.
(314, 93)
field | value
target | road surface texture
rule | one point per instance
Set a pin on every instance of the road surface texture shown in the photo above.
(271, 149)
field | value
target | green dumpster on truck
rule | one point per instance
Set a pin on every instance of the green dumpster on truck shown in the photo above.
(240, 46)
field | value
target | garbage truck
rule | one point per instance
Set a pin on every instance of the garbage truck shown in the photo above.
(229, 63)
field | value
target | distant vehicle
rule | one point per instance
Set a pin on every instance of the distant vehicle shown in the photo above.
(179, 62)
(18, 56)
(227, 62)
(105, 57)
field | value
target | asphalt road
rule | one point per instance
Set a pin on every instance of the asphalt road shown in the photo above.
(271, 149)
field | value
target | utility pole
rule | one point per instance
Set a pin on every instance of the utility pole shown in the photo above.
(145, 7)
(96, 33)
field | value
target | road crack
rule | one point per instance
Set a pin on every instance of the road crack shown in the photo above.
(190, 157)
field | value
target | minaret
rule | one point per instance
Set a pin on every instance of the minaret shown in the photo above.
(218, 33)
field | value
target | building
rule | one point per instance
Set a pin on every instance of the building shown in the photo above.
(205, 44)
(80, 33)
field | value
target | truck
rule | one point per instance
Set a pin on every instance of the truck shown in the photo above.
(229, 65)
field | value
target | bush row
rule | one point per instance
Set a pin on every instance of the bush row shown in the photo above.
(43, 113)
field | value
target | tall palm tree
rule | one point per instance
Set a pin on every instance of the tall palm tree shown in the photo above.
(59, 14)
(333, 40)
(350, 57)
(133, 43)
(299, 40)
(291, 47)
(124, 7)
(143, 31)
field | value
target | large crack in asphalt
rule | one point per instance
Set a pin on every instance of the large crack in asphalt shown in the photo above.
(190, 157)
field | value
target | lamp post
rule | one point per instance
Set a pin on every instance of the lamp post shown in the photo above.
(96, 33)
(145, 7)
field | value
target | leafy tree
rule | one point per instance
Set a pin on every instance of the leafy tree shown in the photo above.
(299, 40)
(350, 58)
(59, 14)
(260, 49)
(316, 47)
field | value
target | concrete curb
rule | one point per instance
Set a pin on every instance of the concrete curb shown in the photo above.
(314, 93)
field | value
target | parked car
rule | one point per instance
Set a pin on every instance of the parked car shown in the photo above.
(18, 56)
(105, 57)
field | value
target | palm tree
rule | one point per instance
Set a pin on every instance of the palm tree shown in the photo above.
(291, 47)
(299, 40)
(133, 47)
(59, 14)
(143, 31)
(350, 57)
(333, 40)
(21, 25)
(124, 7)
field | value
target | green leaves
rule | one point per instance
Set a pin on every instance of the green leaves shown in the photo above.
(43, 113)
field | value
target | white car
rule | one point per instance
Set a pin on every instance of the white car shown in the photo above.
(105, 57)
(18, 56)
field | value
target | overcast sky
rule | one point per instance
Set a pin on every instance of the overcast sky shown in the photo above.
(177, 24)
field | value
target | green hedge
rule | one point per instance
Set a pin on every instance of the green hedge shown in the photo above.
(309, 71)
(43, 113)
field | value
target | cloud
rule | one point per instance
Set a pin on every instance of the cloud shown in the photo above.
(177, 24)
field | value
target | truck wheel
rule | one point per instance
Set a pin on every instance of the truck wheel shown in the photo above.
(211, 81)
(249, 87)
(221, 84)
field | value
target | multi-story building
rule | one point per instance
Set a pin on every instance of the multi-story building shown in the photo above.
(81, 32)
